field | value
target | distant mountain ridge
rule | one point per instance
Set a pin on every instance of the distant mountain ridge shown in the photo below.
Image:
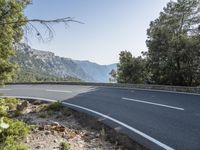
(46, 63)
(100, 72)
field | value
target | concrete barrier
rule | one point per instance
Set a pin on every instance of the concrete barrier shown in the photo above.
(120, 85)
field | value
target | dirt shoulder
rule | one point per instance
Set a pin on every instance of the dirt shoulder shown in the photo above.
(55, 127)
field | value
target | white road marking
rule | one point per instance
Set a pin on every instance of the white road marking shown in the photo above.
(5, 89)
(60, 91)
(124, 125)
(151, 103)
(166, 147)
(165, 91)
(152, 90)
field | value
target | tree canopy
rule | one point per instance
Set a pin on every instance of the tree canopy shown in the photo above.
(130, 69)
(174, 44)
(173, 56)
(13, 25)
(10, 10)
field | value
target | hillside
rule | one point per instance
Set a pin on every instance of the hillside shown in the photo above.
(44, 65)
(99, 72)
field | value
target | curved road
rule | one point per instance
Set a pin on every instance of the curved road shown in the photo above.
(156, 119)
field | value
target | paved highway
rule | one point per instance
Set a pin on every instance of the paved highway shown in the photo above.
(158, 120)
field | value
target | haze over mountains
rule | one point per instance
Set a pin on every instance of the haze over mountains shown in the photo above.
(47, 64)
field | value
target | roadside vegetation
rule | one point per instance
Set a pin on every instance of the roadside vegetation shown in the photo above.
(173, 41)
(12, 131)
(36, 125)
(34, 70)
(64, 146)
(173, 56)
(23, 75)
(14, 25)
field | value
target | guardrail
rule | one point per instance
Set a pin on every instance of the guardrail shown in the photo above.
(120, 85)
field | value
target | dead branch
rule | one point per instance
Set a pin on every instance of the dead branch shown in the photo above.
(30, 27)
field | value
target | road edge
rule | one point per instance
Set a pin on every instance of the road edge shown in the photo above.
(149, 87)
(138, 145)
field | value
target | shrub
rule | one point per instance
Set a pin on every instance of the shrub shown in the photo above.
(43, 115)
(11, 103)
(64, 146)
(11, 144)
(3, 110)
(17, 113)
(103, 134)
(7, 104)
(11, 131)
(10, 137)
(56, 106)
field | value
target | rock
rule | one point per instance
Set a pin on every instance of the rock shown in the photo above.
(55, 124)
(55, 141)
(27, 140)
(41, 128)
(53, 132)
(65, 136)
(60, 129)
(38, 146)
(35, 130)
(37, 102)
(28, 120)
(97, 135)
(57, 127)
(47, 132)
(23, 106)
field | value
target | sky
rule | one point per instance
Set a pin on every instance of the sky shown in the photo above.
(110, 26)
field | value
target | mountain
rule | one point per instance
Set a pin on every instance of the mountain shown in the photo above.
(46, 66)
(99, 72)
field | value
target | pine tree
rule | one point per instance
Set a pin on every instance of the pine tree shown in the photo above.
(10, 11)
(174, 44)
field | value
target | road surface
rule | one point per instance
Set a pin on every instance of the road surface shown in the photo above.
(156, 119)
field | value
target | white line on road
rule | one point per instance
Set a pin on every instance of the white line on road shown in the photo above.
(165, 91)
(151, 103)
(166, 147)
(124, 125)
(153, 90)
(5, 89)
(60, 91)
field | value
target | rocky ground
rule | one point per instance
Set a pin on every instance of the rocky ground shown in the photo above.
(57, 128)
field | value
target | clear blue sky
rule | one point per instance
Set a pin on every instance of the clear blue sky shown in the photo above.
(110, 27)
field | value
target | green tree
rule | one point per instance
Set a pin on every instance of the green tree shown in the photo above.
(113, 75)
(10, 10)
(174, 44)
(130, 69)
(13, 25)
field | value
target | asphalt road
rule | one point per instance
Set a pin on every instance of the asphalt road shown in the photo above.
(158, 120)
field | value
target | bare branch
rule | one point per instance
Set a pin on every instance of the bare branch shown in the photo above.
(31, 28)
(60, 20)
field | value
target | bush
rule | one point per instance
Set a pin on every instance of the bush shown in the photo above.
(17, 113)
(11, 131)
(10, 137)
(64, 146)
(11, 144)
(3, 110)
(11, 103)
(43, 115)
(56, 106)
(7, 104)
